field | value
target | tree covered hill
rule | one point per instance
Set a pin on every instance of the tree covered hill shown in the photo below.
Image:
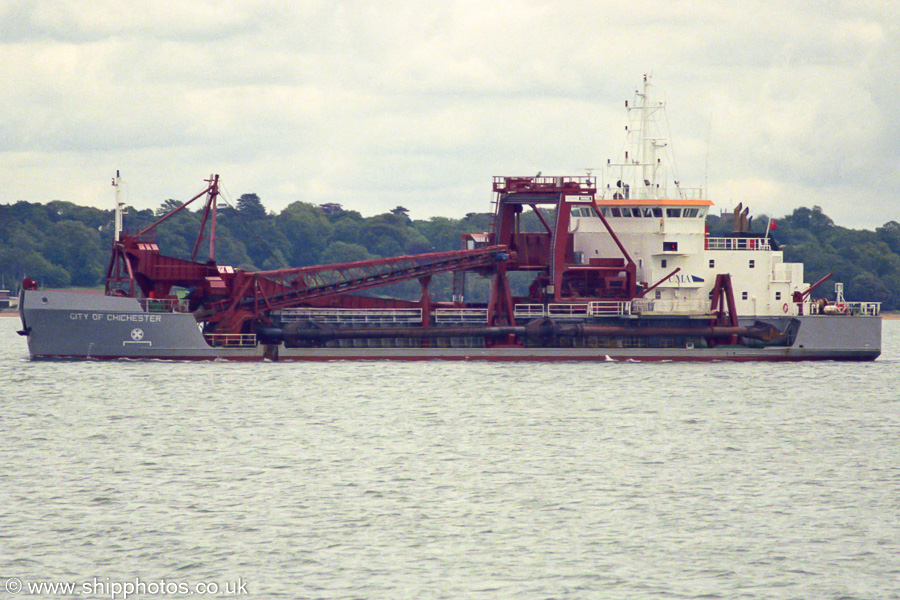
(61, 244)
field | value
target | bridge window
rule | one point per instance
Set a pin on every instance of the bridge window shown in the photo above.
(673, 212)
(615, 212)
(690, 212)
(635, 212)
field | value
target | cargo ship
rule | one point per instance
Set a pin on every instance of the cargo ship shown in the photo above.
(626, 270)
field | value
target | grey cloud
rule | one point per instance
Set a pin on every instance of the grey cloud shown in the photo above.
(379, 104)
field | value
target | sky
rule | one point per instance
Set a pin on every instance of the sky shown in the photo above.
(374, 105)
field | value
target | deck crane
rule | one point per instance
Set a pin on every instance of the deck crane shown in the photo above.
(229, 300)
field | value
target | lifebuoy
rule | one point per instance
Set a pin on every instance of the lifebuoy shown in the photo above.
(842, 308)
(785, 308)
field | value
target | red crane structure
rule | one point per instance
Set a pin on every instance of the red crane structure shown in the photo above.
(227, 300)
(550, 254)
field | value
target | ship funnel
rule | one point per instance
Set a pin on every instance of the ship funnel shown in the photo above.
(744, 219)
(736, 223)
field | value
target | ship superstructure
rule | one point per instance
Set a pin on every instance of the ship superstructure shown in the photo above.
(663, 224)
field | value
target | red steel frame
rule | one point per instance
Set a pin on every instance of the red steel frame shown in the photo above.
(231, 301)
(551, 253)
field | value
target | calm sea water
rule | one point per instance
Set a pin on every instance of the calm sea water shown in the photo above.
(450, 480)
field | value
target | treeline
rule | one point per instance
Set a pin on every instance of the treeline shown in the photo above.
(60, 244)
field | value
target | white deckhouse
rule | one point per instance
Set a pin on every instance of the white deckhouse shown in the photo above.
(666, 234)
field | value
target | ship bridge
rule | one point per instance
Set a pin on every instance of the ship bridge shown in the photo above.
(649, 227)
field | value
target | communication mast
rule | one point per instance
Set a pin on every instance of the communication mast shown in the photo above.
(120, 207)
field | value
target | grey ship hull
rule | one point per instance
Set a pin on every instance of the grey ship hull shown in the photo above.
(69, 325)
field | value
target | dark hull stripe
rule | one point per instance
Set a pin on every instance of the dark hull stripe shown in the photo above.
(767, 357)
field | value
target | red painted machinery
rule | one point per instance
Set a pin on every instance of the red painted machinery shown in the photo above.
(229, 300)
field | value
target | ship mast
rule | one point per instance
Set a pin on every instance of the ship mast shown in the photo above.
(116, 182)
(647, 145)
(647, 153)
(639, 173)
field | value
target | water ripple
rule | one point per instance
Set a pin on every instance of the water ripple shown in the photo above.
(441, 480)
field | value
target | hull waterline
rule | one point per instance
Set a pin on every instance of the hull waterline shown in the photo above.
(66, 325)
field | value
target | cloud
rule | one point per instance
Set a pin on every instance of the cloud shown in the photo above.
(372, 105)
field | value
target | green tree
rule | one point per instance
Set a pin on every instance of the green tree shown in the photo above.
(18, 264)
(77, 249)
(444, 234)
(868, 287)
(889, 233)
(342, 252)
(250, 208)
(306, 231)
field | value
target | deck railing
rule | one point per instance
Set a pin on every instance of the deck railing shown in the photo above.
(528, 311)
(861, 309)
(737, 243)
(352, 315)
(869, 309)
(573, 311)
(231, 340)
(609, 308)
(568, 310)
(164, 305)
(460, 315)
(691, 306)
